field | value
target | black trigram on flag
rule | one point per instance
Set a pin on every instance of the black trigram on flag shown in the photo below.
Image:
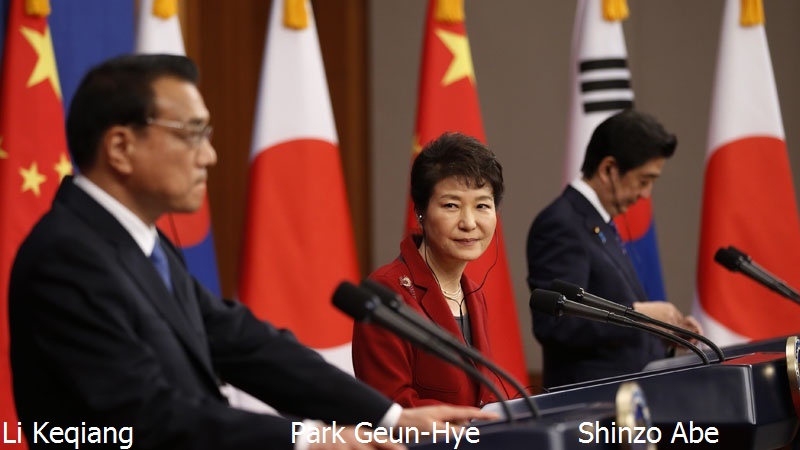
(605, 85)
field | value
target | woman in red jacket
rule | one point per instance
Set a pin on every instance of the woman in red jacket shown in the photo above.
(456, 186)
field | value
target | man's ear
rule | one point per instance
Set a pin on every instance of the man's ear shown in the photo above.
(606, 165)
(116, 148)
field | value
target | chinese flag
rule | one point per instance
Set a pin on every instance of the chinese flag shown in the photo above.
(748, 196)
(298, 240)
(448, 101)
(33, 152)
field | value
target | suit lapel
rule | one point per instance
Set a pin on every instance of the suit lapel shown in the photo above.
(428, 294)
(603, 235)
(477, 320)
(141, 270)
(435, 307)
(184, 288)
(621, 260)
(143, 273)
(433, 304)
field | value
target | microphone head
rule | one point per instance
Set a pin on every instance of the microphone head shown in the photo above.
(569, 290)
(387, 296)
(547, 302)
(730, 259)
(354, 301)
(739, 254)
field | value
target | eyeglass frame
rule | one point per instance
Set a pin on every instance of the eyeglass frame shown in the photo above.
(194, 135)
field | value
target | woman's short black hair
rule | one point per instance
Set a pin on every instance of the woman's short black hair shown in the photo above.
(454, 155)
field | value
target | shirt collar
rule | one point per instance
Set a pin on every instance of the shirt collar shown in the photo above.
(580, 185)
(144, 235)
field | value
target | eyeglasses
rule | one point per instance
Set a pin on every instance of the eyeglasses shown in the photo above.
(193, 133)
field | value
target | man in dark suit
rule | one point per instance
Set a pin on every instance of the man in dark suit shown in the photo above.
(574, 240)
(107, 327)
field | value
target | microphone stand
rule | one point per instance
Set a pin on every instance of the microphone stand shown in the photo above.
(555, 304)
(627, 321)
(683, 331)
(393, 301)
(367, 308)
(735, 260)
(577, 294)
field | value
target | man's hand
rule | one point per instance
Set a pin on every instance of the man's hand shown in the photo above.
(423, 417)
(348, 435)
(667, 312)
(663, 311)
(691, 324)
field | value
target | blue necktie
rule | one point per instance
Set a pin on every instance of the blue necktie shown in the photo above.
(159, 259)
(618, 237)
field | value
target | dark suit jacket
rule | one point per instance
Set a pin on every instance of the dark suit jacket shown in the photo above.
(408, 375)
(570, 241)
(96, 337)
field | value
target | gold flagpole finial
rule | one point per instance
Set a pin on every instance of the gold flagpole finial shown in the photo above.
(449, 11)
(752, 13)
(39, 8)
(615, 10)
(165, 8)
(295, 14)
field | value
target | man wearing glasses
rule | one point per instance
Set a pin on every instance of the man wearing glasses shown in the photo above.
(107, 327)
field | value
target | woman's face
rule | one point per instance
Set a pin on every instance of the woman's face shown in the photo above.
(460, 221)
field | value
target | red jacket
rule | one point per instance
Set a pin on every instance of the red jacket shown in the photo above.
(404, 373)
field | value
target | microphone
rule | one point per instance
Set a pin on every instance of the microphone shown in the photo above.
(368, 308)
(577, 294)
(392, 300)
(555, 304)
(736, 261)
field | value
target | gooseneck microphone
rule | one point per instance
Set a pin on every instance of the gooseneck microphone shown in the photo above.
(392, 300)
(737, 261)
(367, 307)
(554, 304)
(577, 294)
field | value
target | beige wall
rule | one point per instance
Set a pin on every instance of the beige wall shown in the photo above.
(521, 55)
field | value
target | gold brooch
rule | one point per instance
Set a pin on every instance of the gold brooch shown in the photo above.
(406, 283)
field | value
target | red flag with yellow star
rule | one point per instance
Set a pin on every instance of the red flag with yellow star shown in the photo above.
(33, 151)
(448, 101)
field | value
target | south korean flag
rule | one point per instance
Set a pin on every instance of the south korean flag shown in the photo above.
(600, 79)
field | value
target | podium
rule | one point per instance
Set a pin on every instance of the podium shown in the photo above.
(766, 345)
(747, 399)
(557, 429)
(746, 402)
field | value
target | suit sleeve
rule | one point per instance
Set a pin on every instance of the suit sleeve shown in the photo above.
(273, 366)
(85, 330)
(556, 251)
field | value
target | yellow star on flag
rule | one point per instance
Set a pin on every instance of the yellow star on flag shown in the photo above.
(415, 146)
(63, 167)
(3, 154)
(461, 65)
(32, 179)
(45, 69)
